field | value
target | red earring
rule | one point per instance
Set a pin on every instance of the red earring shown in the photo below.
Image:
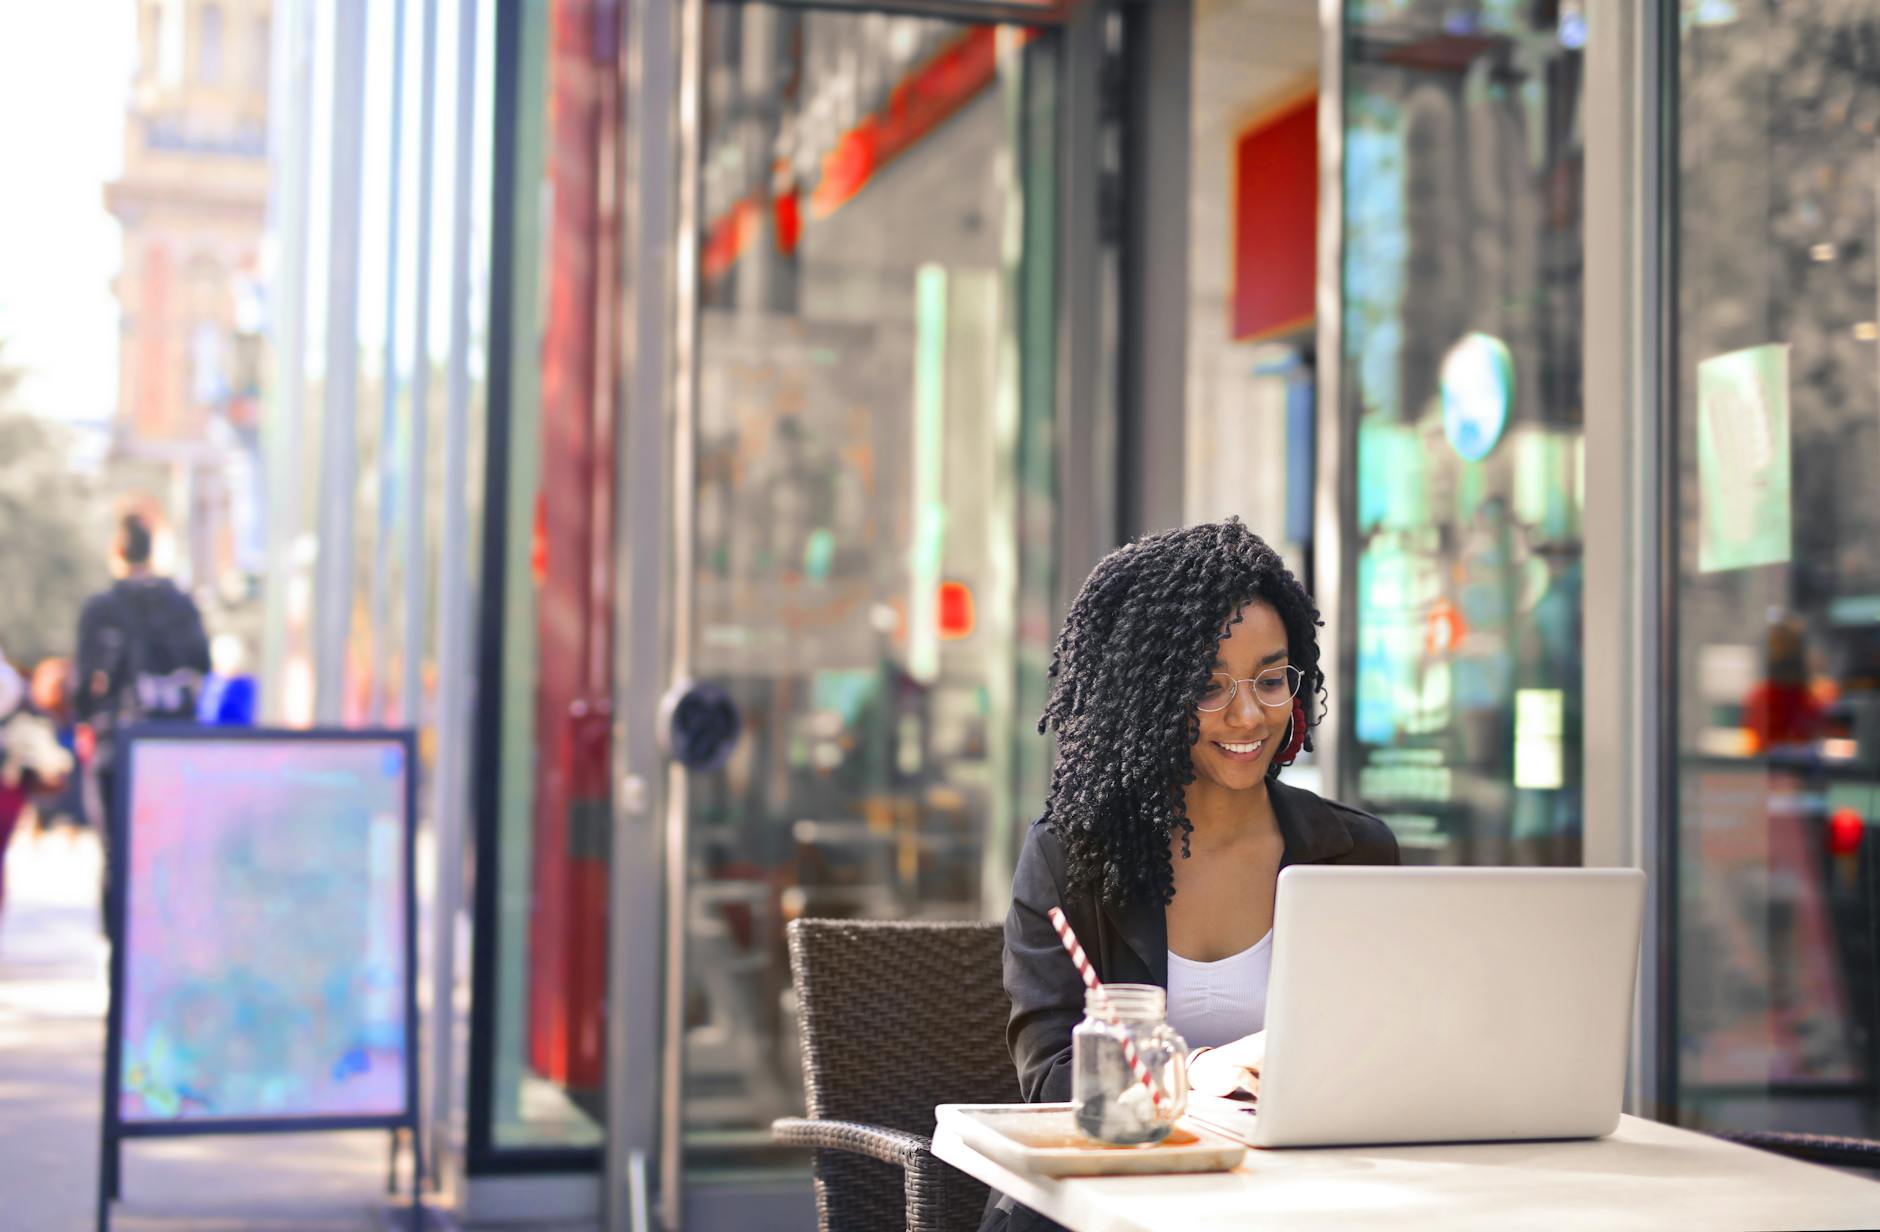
(1295, 736)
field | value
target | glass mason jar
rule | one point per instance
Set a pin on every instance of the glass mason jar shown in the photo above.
(1107, 1098)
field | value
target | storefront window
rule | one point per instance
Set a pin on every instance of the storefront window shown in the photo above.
(874, 510)
(1778, 565)
(550, 863)
(1461, 379)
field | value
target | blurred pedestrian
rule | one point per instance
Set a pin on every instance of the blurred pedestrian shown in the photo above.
(51, 693)
(31, 760)
(1785, 709)
(142, 655)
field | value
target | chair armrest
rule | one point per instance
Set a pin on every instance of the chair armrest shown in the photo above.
(941, 1198)
(890, 1146)
(1827, 1149)
(938, 1196)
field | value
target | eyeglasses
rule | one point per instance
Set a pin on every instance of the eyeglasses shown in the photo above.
(1272, 688)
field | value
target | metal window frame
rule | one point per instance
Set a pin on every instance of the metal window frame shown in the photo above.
(1334, 568)
(1085, 431)
(290, 210)
(377, 625)
(1657, 273)
(339, 449)
(1152, 350)
(1631, 525)
(653, 537)
(450, 797)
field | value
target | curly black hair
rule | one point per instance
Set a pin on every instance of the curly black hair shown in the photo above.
(1136, 650)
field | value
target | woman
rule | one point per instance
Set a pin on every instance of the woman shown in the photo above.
(1186, 676)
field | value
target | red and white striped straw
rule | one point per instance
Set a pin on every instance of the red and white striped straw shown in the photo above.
(1091, 982)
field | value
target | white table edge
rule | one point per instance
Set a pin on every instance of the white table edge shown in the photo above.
(1073, 1202)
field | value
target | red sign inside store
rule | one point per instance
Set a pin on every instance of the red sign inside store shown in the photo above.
(1276, 203)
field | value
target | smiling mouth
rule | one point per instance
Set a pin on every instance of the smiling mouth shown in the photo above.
(1241, 750)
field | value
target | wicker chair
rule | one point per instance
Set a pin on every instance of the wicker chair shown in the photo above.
(895, 1019)
(1836, 1152)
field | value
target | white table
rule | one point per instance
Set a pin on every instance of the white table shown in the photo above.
(1646, 1175)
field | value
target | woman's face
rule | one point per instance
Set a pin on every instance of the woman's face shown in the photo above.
(1239, 742)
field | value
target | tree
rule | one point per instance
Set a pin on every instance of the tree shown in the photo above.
(50, 556)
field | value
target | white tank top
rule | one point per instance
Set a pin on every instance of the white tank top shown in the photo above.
(1216, 1003)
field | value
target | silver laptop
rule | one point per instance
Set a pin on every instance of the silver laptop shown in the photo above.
(1443, 1005)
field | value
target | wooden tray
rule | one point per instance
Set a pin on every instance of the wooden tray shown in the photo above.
(1043, 1140)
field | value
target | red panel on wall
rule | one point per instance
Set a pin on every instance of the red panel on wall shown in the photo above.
(1276, 202)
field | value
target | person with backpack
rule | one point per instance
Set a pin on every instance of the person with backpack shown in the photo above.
(142, 657)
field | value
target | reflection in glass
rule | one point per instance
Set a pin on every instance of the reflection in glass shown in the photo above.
(553, 804)
(1778, 606)
(1462, 284)
(872, 511)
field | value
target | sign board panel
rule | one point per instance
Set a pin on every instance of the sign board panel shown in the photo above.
(266, 913)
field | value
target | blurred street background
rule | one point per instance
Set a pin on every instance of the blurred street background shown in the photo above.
(423, 405)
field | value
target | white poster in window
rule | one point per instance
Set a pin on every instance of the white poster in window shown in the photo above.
(1539, 739)
(1744, 516)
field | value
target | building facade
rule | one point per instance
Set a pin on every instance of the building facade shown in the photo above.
(192, 202)
(803, 359)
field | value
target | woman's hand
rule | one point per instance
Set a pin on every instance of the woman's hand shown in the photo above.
(1230, 1069)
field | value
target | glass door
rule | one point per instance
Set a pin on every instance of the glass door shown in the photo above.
(873, 514)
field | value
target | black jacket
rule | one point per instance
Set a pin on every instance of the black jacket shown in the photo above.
(1128, 945)
(142, 653)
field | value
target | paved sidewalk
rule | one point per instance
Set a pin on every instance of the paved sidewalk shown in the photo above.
(52, 1003)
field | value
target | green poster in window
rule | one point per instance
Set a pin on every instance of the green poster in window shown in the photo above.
(1743, 459)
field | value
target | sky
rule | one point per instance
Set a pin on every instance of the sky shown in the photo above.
(65, 73)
